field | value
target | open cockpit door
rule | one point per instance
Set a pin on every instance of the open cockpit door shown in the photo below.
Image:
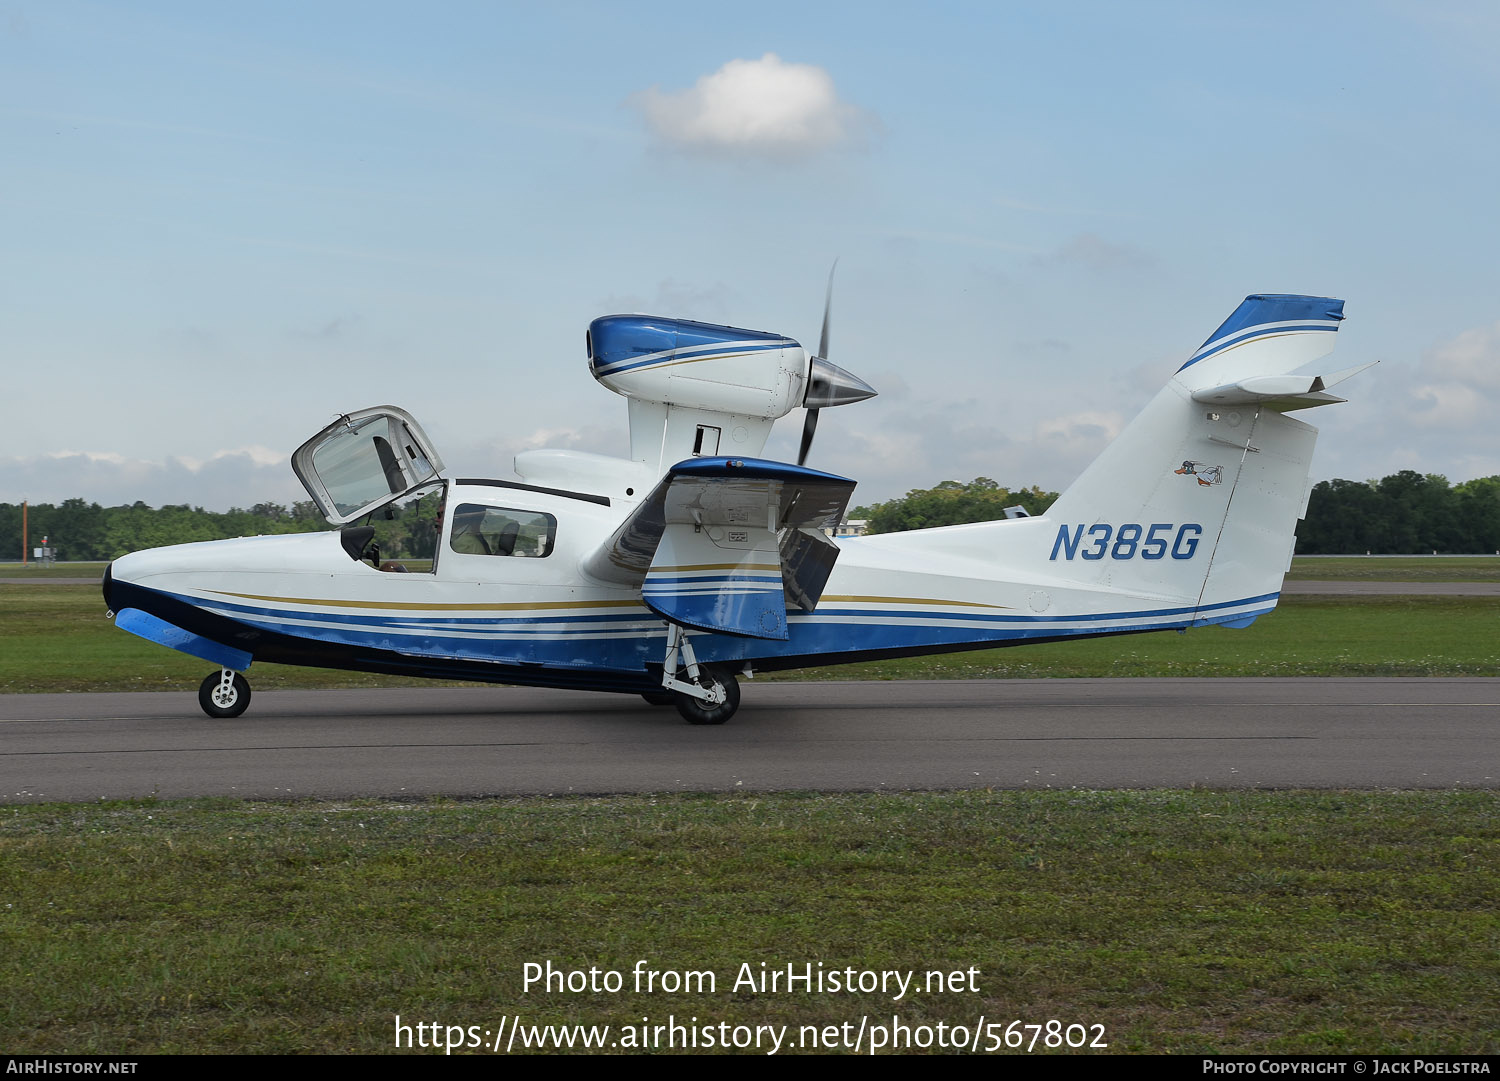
(364, 460)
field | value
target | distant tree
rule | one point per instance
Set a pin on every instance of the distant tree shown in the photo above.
(1479, 511)
(1342, 516)
(952, 503)
(76, 529)
(1405, 513)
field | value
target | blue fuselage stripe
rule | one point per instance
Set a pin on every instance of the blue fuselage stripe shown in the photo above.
(677, 356)
(627, 642)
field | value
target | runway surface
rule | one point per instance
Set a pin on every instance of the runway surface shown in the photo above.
(854, 736)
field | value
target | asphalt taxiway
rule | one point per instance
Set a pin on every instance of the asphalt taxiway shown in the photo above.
(833, 736)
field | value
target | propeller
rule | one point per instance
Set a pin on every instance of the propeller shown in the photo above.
(827, 384)
(809, 426)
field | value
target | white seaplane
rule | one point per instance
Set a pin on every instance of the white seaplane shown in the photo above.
(671, 573)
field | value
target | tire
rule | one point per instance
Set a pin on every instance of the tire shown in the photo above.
(220, 706)
(660, 698)
(697, 711)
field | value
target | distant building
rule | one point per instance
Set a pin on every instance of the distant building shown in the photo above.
(854, 528)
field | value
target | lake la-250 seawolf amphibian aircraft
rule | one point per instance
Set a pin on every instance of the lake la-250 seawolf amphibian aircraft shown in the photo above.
(671, 573)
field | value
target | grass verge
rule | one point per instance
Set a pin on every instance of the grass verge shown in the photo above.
(55, 570)
(1395, 569)
(1185, 922)
(1305, 636)
(55, 638)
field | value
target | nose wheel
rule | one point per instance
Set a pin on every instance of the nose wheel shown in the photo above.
(224, 694)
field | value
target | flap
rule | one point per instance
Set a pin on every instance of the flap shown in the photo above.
(807, 558)
(731, 584)
(718, 492)
(709, 545)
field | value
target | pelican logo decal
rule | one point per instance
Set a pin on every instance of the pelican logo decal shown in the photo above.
(1205, 474)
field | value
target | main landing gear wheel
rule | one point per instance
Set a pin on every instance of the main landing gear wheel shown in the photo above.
(224, 697)
(697, 711)
(660, 698)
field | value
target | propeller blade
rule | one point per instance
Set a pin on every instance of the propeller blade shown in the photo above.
(809, 426)
(827, 311)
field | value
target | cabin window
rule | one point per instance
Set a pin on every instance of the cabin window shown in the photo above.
(499, 531)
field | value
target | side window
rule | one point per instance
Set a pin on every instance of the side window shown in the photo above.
(497, 531)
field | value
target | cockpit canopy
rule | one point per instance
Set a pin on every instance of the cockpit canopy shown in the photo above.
(365, 460)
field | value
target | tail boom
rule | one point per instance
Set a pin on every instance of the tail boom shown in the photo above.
(1187, 519)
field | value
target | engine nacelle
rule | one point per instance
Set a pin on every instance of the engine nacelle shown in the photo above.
(747, 373)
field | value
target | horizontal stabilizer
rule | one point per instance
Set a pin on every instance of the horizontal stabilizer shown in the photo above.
(1344, 373)
(1280, 392)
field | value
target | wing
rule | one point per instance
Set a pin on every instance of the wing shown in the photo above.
(728, 544)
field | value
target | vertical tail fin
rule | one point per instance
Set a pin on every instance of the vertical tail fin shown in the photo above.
(1199, 496)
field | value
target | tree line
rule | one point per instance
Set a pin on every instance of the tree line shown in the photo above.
(78, 530)
(951, 503)
(1405, 513)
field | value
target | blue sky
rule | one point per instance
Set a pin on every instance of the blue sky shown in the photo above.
(223, 225)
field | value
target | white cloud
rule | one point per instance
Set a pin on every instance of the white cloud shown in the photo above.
(709, 304)
(1078, 434)
(764, 108)
(258, 455)
(1473, 357)
(495, 457)
(918, 444)
(1092, 252)
(596, 439)
(1460, 381)
(229, 478)
(1433, 415)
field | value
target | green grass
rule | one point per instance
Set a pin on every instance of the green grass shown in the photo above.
(56, 638)
(1184, 922)
(1395, 569)
(1305, 636)
(1187, 922)
(56, 570)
